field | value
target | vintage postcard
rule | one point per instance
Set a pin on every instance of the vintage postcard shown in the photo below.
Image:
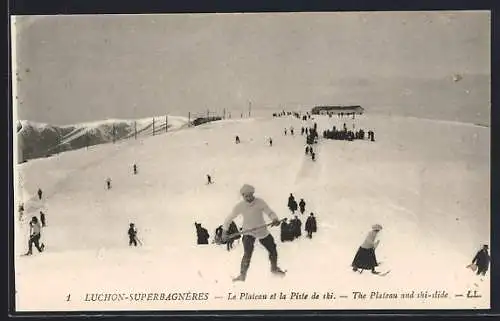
(263, 161)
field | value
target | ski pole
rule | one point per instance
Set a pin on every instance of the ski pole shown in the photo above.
(137, 239)
(251, 229)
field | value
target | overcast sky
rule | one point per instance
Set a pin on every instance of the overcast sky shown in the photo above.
(79, 68)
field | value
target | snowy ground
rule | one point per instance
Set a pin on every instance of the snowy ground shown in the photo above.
(426, 182)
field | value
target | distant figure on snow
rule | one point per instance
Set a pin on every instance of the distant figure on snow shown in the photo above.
(481, 261)
(108, 183)
(21, 211)
(365, 258)
(209, 179)
(39, 194)
(233, 229)
(201, 234)
(270, 142)
(218, 235)
(291, 130)
(252, 208)
(237, 140)
(42, 218)
(285, 131)
(302, 206)
(285, 231)
(135, 169)
(292, 204)
(35, 235)
(311, 226)
(296, 227)
(132, 235)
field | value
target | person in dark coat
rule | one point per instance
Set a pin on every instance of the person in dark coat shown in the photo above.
(285, 231)
(365, 258)
(482, 260)
(39, 194)
(132, 235)
(218, 235)
(311, 226)
(108, 183)
(135, 169)
(302, 206)
(201, 234)
(292, 204)
(270, 142)
(297, 227)
(232, 230)
(209, 179)
(42, 219)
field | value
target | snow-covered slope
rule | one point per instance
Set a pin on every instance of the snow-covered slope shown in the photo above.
(426, 182)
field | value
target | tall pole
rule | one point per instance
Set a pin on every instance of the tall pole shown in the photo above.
(135, 129)
(113, 133)
(166, 123)
(153, 126)
(189, 119)
(224, 114)
(249, 108)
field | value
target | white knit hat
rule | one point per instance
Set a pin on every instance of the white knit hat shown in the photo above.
(247, 189)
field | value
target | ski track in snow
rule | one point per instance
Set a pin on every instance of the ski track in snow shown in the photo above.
(405, 181)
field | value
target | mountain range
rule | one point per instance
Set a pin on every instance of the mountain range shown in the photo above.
(35, 140)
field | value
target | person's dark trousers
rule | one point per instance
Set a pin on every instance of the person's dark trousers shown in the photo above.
(35, 239)
(132, 241)
(248, 246)
(309, 234)
(481, 271)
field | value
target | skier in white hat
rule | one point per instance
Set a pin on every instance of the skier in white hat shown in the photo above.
(254, 227)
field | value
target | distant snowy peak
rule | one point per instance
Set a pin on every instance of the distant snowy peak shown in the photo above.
(174, 122)
(42, 139)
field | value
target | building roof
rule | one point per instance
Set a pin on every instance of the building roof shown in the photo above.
(338, 108)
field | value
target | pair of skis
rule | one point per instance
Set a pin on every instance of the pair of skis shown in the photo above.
(378, 273)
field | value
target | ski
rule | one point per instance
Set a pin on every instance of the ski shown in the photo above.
(280, 274)
(382, 274)
(235, 279)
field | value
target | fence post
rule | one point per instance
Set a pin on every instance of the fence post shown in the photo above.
(166, 123)
(189, 119)
(135, 129)
(153, 126)
(58, 146)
